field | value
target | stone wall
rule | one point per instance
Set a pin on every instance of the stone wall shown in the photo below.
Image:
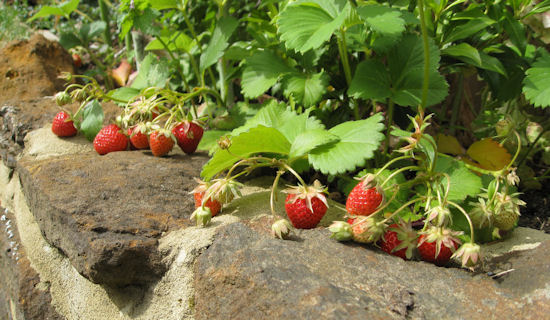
(85, 236)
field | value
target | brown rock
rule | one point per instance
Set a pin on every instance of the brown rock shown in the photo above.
(22, 294)
(29, 69)
(106, 213)
(247, 274)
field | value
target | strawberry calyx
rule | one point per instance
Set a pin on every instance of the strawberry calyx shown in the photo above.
(281, 229)
(307, 193)
(407, 237)
(469, 254)
(341, 231)
(368, 229)
(442, 237)
(202, 215)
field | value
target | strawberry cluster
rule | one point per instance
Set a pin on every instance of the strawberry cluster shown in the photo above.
(146, 123)
(365, 205)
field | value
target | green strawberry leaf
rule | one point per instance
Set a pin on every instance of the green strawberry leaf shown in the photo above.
(382, 19)
(305, 88)
(406, 65)
(464, 183)
(64, 9)
(152, 73)
(403, 83)
(310, 139)
(358, 141)
(90, 30)
(257, 140)
(306, 25)
(278, 116)
(463, 52)
(209, 141)
(178, 41)
(123, 93)
(536, 86)
(92, 119)
(263, 70)
(468, 29)
(371, 81)
(219, 41)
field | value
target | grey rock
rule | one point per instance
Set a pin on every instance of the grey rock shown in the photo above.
(106, 213)
(247, 274)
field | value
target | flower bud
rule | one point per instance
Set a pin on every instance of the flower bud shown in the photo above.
(202, 215)
(62, 98)
(341, 231)
(281, 229)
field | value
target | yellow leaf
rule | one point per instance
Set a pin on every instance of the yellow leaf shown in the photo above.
(489, 154)
(448, 144)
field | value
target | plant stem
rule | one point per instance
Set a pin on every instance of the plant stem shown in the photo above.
(472, 238)
(403, 207)
(426, 82)
(104, 14)
(273, 190)
(392, 161)
(137, 40)
(531, 146)
(389, 121)
(396, 172)
(457, 103)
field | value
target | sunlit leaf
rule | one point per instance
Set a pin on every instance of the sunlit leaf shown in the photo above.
(257, 140)
(536, 85)
(358, 141)
(489, 154)
(262, 71)
(448, 144)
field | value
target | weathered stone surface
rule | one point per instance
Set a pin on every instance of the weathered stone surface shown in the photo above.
(247, 274)
(106, 213)
(30, 69)
(22, 294)
(29, 72)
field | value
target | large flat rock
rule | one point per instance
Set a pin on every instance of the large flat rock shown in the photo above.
(247, 274)
(106, 213)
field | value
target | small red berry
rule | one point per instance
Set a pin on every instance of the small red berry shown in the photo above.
(214, 205)
(438, 244)
(110, 139)
(399, 240)
(77, 60)
(138, 139)
(63, 126)
(306, 205)
(364, 199)
(188, 135)
(160, 142)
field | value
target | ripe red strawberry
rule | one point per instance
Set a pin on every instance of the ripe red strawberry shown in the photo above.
(214, 205)
(63, 126)
(77, 60)
(188, 134)
(161, 142)
(110, 139)
(306, 205)
(365, 198)
(138, 138)
(437, 245)
(399, 240)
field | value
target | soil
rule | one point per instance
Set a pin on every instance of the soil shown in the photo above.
(536, 213)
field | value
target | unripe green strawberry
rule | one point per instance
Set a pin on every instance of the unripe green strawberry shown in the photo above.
(505, 220)
(368, 229)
